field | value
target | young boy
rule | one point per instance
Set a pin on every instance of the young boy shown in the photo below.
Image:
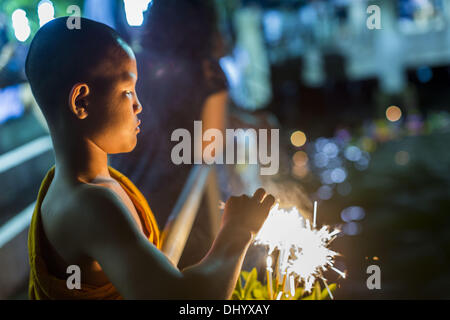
(88, 214)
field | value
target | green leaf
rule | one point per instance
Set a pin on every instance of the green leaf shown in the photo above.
(310, 297)
(317, 291)
(258, 293)
(298, 293)
(239, 287)
(256, 290)
(235, 295)
(250, 283)
(325, 293)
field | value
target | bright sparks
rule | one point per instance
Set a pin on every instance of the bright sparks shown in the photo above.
(303, 249)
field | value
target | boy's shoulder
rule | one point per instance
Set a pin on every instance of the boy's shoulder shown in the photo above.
(83, 213)
(92, 204)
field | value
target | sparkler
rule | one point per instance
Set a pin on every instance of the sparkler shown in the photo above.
(303, 253)
(269, 277)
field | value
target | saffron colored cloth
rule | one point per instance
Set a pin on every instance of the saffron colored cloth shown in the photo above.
(43, 285)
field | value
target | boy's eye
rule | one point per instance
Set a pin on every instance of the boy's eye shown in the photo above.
(129, 93)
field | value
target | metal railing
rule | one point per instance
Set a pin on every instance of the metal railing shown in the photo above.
(175, 235)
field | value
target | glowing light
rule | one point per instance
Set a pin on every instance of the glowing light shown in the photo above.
(402, 158)
(331, 149)
(352, 228)
(303, 250)
(325, 177)
(46, 12)
(269, 271)
(363, 163)
(353, 213)
(320, 160)
(11, 105)
(368, 144)
(292, 286)
(280, 228)
(352, 153)
(273, 25)
(20, 24)
(424, 74)
(300, 158)
(231, 69)
(269, 261)
(393, 113)
(334, 163)
(320, 143)
(315, 214)
(134, 11)
(300, 171)
(298, 138)
(338, 175)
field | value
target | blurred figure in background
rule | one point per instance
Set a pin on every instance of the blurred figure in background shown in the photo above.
(180, 82)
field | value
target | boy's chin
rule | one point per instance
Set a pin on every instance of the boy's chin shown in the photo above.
(125, 148)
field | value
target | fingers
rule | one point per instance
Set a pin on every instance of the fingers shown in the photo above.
(268, 202)
(259, 194)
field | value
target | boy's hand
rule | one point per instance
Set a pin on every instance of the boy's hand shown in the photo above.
(248, 214)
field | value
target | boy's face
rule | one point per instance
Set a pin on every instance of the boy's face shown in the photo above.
(113, 124)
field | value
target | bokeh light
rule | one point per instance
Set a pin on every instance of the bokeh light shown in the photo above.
(300, 158)
(393, 113)
(331, 150)
(352, 228)
(353, 213)
(325, 192)
(46, 12)
(134, 11)
(424, 74)
(20, 24)
(300, 171)
(320, 160)
(368, 144)
(353, 153)
(338, 175)
(325, 177)
(298, 138)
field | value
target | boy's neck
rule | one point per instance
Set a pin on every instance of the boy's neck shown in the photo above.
(82, 161)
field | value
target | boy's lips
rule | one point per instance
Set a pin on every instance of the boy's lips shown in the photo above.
(137, 127)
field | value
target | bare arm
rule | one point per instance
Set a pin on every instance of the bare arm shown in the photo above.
(140, 271)
(215, 110)
(214, 114)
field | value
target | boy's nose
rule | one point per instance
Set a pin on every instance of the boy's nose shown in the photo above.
(137, 107)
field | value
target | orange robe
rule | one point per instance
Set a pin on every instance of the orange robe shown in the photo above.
(43, 285)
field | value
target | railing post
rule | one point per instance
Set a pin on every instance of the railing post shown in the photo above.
(183, 214)
(213, 198)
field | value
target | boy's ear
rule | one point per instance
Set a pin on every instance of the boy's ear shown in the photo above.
(78, 100)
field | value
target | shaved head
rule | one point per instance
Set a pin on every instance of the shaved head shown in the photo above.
(60, 57)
